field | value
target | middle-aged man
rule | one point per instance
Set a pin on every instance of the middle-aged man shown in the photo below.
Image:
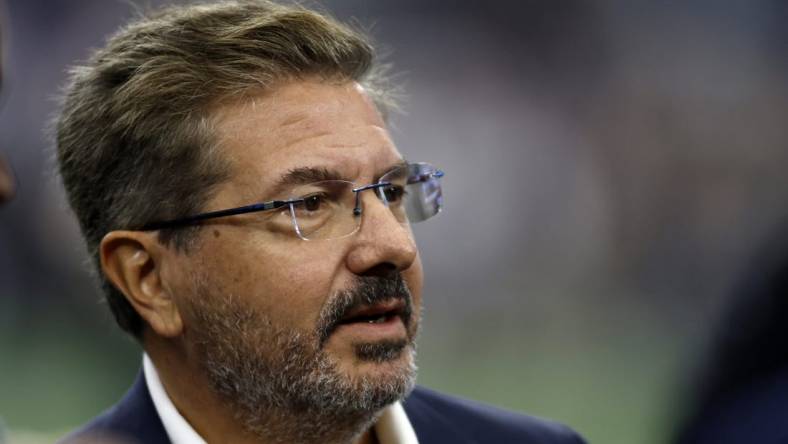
(234, 180)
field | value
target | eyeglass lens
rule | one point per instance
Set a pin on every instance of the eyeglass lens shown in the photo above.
(324, 210)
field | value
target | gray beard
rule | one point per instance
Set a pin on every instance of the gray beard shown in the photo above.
(281, 384)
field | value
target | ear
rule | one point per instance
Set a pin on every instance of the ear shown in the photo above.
(133, 263)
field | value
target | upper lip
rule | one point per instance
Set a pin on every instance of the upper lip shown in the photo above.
(388, 308)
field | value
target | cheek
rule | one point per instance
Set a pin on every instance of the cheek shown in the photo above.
(290, 281)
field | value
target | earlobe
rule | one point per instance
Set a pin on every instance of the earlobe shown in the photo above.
(133, 263)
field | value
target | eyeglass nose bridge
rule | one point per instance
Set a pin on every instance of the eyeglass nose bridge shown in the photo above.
(357, 208)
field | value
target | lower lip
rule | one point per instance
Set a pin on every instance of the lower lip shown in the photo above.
(391, 328)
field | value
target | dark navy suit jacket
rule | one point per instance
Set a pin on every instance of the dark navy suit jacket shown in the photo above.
(436, 418)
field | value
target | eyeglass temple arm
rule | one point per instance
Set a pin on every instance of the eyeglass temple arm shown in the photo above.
(263, 206)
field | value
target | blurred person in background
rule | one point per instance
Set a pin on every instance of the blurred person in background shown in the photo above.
(6, 182)
(741, 393)
(249, 215)
(7, 185)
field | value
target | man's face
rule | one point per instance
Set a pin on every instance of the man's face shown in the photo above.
(265, 308)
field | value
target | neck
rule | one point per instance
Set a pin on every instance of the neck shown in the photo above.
(215, 419)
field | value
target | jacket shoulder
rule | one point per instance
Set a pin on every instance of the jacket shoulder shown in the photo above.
(439, 418)
(99, 430)
(133, 420)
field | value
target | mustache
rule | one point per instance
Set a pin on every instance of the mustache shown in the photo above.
(367, 290)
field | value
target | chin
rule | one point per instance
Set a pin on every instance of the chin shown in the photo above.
(386, 359)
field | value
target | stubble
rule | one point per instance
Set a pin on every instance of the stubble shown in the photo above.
(282, 384)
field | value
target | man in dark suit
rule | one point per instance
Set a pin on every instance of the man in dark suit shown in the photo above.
(234, 180)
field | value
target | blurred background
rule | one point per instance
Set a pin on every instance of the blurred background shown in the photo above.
(612, 168)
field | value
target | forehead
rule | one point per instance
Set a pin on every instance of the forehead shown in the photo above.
(304, 124)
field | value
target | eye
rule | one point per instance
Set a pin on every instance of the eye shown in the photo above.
(393, 193)
(313, 202)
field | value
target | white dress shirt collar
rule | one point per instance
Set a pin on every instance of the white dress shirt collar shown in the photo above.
(178, 429)
(393, 426)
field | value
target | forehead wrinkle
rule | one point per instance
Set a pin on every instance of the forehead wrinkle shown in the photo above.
(293, 119)
(303, 126)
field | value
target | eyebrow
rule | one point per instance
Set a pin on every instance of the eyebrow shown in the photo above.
(302, 176)
(399, 164)
(306, 175)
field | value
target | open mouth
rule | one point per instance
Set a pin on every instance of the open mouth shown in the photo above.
(380, 317)
(379, 313)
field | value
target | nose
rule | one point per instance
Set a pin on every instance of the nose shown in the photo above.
(383, 246)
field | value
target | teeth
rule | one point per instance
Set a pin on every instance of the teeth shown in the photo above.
(378, 320)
